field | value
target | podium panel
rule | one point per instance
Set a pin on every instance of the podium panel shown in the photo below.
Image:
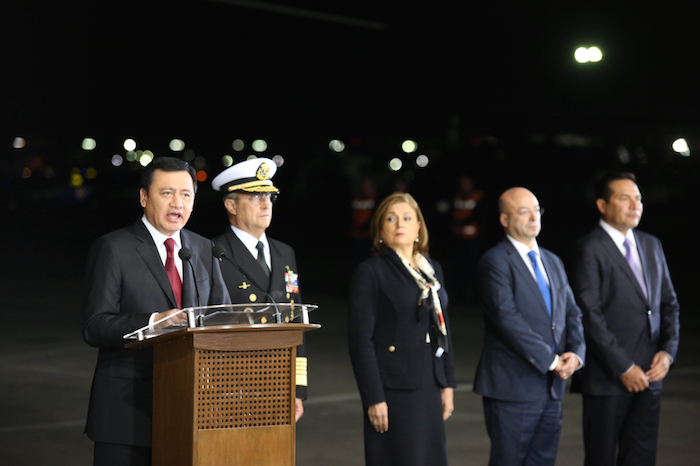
(225, 395)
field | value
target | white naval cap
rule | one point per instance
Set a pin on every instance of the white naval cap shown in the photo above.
(251, 176)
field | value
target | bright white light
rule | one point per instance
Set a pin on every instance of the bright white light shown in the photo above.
(227, 161)
(681, 146)
(336, 146)
(89, 144)
(259, 145)
(422, 160)
(594, 54)
(279, 160)
(130, 145)
(409, 146)
(117, 160)
(177, 145)
(19, 143)
(395, 164)
(238, 145)
(590, 54)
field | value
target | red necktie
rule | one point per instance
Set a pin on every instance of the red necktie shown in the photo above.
(171, 270)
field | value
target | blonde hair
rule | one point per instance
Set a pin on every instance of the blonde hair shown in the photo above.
(378, 220)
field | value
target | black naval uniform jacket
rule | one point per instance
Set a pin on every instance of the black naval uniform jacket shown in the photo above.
(386, 340)
(242, 291)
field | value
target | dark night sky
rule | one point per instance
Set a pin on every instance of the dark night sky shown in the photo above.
(214, 68)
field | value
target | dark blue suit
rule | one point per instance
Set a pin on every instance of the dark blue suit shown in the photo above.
(518, 350)
(623, 327)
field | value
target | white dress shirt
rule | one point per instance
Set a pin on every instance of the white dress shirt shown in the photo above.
(251, 243)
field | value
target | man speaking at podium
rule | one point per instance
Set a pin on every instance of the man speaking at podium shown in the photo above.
(267, 268)
(135, 276)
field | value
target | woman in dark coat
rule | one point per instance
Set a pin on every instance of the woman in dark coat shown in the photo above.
(400, 343)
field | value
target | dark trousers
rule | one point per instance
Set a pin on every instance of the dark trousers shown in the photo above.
(113, 454)
(523, 434)
(628, 424)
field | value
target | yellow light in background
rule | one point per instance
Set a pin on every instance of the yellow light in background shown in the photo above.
(76, 180)
(395, 164)
(336, 145)
(238, 145)
(226, 161)
(680, 145)
(19, 143)
(129, 145)
(259, 145)
(117, 160)
(594, 54)
(279, 160)
(177, 145)
(89, 144)
(90, 173)
(409, 146)
(422, 160)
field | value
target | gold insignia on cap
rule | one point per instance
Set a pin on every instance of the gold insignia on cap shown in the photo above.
(253, 297)
(263, 172)
(263, 320)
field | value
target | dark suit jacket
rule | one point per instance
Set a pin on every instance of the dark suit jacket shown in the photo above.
(622, 326)
(519, 332)
(386, 339)
(242, 291)
(125, 283)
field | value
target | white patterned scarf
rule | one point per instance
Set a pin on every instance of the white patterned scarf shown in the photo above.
(429, 286)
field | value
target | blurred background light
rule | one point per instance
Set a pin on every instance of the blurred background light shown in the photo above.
(259, 145)
(336, 146)
(145, 158)
(18, 143)
(680, 145)
(588, 54)
(188, 155)
(89, 144)
(201, 176)
(279, 160)
(226, 161)
(422, 160)
(177, 145)
(129, 145)
(409, 146)
(238, 145)
(117, 160)
(251, 157)
(395, 164)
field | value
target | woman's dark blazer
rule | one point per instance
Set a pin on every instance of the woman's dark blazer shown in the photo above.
(386, 339)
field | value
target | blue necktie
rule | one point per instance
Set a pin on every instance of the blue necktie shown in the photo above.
(541, 282)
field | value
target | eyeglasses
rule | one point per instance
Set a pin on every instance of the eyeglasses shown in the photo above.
(258, 198)
(528, 213)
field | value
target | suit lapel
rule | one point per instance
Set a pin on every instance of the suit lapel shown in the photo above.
(519, 266)
(619, 260)
(189, 292)
(149, 253)
(643, 252)
(276, 274)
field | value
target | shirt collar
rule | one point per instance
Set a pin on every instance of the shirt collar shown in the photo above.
(522, 247)
(158, 237)
(250, 241)
(616, 235)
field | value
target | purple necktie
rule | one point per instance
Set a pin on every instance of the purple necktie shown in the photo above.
(633, 266)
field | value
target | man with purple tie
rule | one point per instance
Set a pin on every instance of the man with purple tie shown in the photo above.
(631, 321)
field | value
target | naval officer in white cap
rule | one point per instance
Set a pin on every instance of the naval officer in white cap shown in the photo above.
(248, 198)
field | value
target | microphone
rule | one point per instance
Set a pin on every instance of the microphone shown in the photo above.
(219, 253)
(186, 256)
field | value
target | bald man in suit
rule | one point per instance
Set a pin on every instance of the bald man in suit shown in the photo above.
(631, 321)
(533, 339)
